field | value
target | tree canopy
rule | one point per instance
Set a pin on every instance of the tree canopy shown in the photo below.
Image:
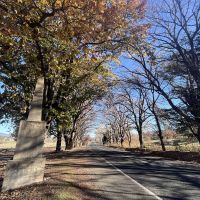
(66, 42)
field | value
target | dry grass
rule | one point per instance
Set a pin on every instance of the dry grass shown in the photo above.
(154, 145)
(181, 151)
(8, 143)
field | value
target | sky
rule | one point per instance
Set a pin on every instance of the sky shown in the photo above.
(6, 128)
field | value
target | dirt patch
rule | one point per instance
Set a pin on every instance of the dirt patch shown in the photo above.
(64, 179)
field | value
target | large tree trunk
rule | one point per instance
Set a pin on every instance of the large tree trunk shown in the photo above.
(160, 135)
(68, 141)
(198, 134)
(122, 141)
(71, 143)
(66, 137)
(141, 139)
(59, 141)
(129, 141)
(161, 140)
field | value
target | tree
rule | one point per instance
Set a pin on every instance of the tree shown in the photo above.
(180, 36)
(137, 80)
(84, 124)
(170, 63)
(134, 103)
(77, 98)
(118, 124)
(50, 36)
(157, 113)
(56, 39)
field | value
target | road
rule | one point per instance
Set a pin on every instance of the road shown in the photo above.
(121, 175)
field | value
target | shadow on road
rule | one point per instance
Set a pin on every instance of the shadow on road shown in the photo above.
(169, 179)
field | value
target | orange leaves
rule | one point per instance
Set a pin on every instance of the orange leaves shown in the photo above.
(69, 27)
(100, 20)
(101, 5)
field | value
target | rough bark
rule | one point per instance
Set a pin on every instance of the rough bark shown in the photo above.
(160, 135)
(141, 140)
(68, 141)
(198, 134)
(59, 141)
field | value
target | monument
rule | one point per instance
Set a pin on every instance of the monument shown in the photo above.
(27, 166)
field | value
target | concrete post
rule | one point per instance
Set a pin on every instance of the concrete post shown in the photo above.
(27, 166)
(35, 113)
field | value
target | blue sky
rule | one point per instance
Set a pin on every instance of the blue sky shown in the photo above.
(6, 128)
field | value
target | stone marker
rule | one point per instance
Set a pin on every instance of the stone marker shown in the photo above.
(30, 140)
(35, 113)
(27, 166)
(23, 172)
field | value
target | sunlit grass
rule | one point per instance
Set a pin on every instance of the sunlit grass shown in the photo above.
(154, 145)
(7, 143)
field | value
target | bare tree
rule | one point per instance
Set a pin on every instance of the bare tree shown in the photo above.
(156, 111)
(171, 61)
(117, 121)
(178, 35)
(136, 109)
(81, 118)
(83, 124)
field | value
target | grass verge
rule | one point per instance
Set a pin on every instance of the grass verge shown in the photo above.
(63, 180)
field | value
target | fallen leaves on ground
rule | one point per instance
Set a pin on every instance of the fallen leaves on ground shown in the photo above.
(64, 179)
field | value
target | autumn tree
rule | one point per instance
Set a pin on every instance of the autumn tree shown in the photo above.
(56, 39)
(84, 124)
(76, 98)
(50, 37)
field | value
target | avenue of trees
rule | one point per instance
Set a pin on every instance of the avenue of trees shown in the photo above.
(69, 43)
(72, 45)
(161, 81)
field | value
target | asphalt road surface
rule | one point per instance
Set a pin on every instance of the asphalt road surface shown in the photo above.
(122, 175)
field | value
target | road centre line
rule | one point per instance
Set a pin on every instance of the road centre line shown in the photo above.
(134, 181)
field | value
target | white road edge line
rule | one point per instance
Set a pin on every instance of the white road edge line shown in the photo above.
(134, 181)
